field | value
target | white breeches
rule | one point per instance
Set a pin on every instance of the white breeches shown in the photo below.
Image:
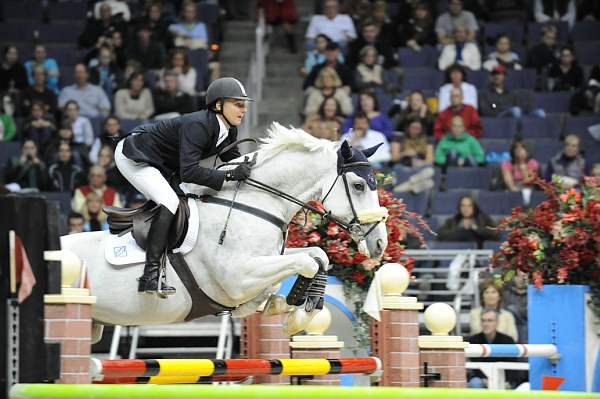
(147, 180)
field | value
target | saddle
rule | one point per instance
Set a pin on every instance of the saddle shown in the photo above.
(138, 220)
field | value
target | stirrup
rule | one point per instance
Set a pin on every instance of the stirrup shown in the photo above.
(163, 289)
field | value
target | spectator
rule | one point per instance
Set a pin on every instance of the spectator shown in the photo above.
(490, 297)
(327, 130)
(521, 169)
(8, 129)
(114, 178)
(135, 101)
(497, 101)
(98, 31)
(490, 321)
(284, 13)
(169, 100)
(468, 114)
(569, 165)
(26, 169)
(565, 75)
(362, 136)
(91, 99)
(118, 47)
(416, 108)
(368, 74)
(514, 298)
(12, 74)
(317, 55)
(95, 219)
(371, 36)
(64, 174)
(104, 71)
(414, 149)
(456, 16)
(96, 184)
(82, 128)
(387, 28)
(110, 135)
(367, 103)
(39, 126)
(189, 32)
(545, 53)
(419, 30)
(328, 84)
(79, 152)
(332, 51)
(456, 76)
(329, 112)
(154, 20)
(458, 147)
(460, 52)
(359, 10)
(555, 11)
(49, 65)
(117, 8)
(588, 99)
(146, 50)
(39, 92)
(596, 171)
(502, 56)
(178, 62)
(338, 27)
(76, 223)
(470, 224)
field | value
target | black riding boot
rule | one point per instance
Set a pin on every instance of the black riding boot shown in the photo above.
(155, 249)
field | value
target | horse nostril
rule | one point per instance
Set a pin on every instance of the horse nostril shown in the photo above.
(380, 245)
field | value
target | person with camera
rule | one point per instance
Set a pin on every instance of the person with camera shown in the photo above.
(27, 170)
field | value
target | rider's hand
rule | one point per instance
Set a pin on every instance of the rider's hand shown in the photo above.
(242, 172)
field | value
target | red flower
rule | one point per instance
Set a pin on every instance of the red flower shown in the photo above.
(314, 237)
(358, 277)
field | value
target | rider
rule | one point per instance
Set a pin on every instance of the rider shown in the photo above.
(154, 153)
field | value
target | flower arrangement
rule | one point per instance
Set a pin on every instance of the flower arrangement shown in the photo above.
(350, 266)
(558, 241)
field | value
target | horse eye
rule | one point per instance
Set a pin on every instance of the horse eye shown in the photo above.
(359, 186)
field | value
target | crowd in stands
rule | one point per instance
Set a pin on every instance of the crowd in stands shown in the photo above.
(76, 76)
(473, 96)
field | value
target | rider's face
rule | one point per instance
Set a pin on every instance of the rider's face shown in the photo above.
(234, 111)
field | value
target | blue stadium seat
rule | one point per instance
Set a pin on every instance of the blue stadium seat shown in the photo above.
(67, 10)
(410, 58)
(199, 60)
(534, 31)
(588, 53)
(552, 102)
(543, 150)
(8, 149)
(446, 203)
(66, 75)
(493, 245)
(60, 32)
(495, 145)
(467, 178)
(415, 202)
(65, 55)
(521, 79)
(208, 12)
(422, 78)
(128, 124)
(579, 125)
(480, 79)
(22, 10)
(97, 123)
(514, 30)
(498, 128)
(15, 32)
(585, 31)
(544, 128)
(536, 198)
(499, 202)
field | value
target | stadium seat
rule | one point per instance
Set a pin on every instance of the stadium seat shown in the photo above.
(585, 31)
(552, 102)
(536, 198)
(65, 55)
(67, 10)
(514, 30)
(415, 202)
(8, 149)
(128, 124)
(534, 31)
(480, 79)
(22, 10)
(471, 178)
(543, 150)
(410, 58)
(495, 145)
(498, 128)
(422, 78)
(493, 245)
(199, 60)
(544, 128)
(588, 53)
(499, 202)
(60, 32)
(446, 203)
(521, 79)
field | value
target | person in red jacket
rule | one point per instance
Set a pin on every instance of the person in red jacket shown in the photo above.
(457, 108)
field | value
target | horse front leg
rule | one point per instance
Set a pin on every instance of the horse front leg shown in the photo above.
(243, 279)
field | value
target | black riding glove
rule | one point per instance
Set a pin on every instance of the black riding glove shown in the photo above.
(241, 172)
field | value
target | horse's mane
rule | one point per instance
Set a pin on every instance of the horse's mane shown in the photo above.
(280, 138)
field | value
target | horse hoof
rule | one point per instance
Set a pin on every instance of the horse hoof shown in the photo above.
(275, 305)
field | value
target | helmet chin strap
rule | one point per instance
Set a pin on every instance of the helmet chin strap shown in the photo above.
(220, 111)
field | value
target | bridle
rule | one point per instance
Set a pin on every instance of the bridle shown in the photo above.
(354, 227)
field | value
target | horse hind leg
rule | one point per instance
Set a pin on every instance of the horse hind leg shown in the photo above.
(97, 330)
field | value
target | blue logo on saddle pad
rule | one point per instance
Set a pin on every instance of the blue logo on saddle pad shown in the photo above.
(120, 252)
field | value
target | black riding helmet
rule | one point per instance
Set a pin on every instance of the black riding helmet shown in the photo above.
(224, 88)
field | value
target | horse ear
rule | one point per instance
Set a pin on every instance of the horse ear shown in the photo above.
(370, 151)
(346, 150)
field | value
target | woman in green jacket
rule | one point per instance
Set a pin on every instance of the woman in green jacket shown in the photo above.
(459, 148)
